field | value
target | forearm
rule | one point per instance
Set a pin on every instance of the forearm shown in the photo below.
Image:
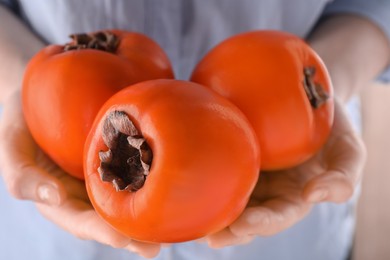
(17, 45)
(354, 50)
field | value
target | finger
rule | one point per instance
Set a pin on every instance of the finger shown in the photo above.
(75, 188)
(225, 238)
(23, 178)
(28, 182)
(147, 250)
(78, 218)
(75, 211)
(270, 218)
(346, 153)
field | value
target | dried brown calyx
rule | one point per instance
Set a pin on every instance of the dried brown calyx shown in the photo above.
(128, 159)
(314, 91)
(104, 41)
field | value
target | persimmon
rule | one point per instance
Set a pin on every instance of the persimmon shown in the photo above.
(170, 161)
(65, 85)
(281, 85)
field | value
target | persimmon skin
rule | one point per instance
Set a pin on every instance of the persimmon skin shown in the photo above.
(63, 91)
(205, 163)
(262, 73)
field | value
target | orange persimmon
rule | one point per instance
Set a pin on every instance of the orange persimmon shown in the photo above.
(170, 161)
(281, 85)
(65, 85)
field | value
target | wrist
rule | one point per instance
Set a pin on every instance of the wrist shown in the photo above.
(16, 49)
(353, 49)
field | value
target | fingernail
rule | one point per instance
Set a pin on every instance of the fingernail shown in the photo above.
(318, 195)
(48, 194)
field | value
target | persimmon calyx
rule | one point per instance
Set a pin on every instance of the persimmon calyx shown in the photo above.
(127, 161)
(314, 91)
(104, 41)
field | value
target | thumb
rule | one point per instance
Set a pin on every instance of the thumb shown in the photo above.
(345, 157)
(344, 171)
(33, 183)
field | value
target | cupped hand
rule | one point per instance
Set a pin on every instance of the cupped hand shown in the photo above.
(30, 175)
(283, 198)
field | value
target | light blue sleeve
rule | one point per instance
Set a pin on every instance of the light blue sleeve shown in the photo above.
(377, 11)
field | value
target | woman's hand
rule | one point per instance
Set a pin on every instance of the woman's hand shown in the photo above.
(62, 199)
(279, 200)
(283, 198)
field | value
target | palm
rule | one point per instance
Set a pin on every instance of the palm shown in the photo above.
(25, 168)
(330, 175)
(278, 194)
(282, 198)
(76, 214)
